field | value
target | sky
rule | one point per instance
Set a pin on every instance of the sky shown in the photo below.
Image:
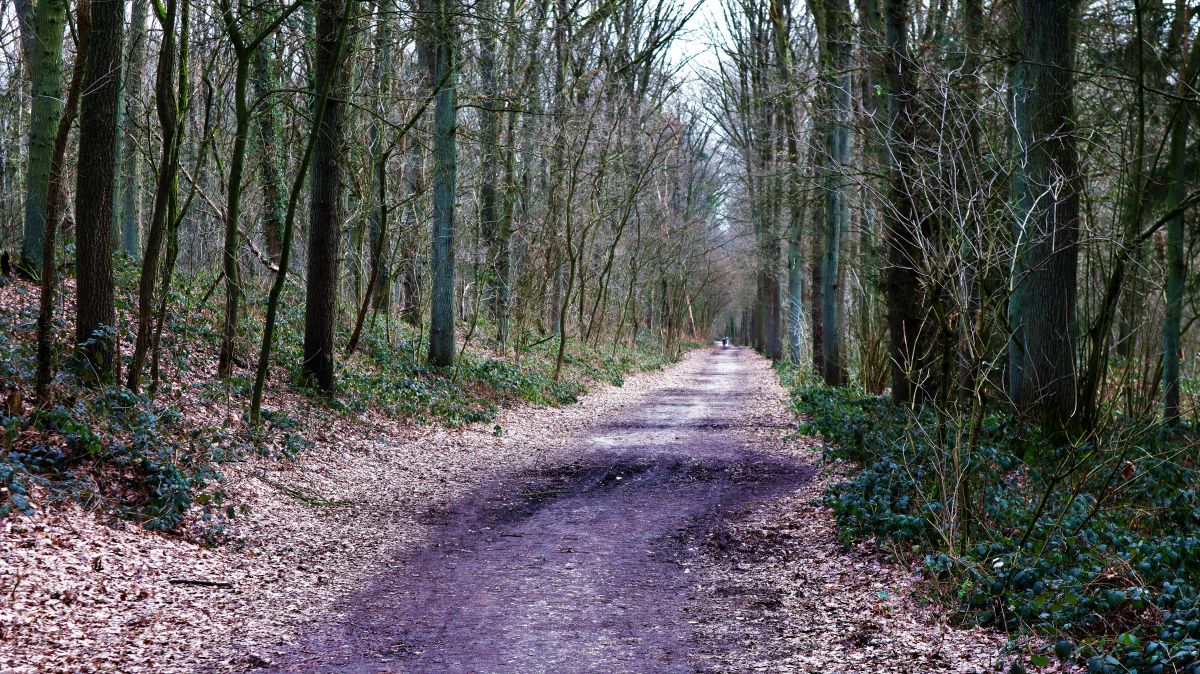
(694, 46)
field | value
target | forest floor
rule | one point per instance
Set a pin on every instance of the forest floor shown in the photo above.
(669, 525)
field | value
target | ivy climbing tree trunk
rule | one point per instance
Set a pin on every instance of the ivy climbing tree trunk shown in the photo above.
(1176, 240)
(270, 125)
(243, 50)
(56, 196)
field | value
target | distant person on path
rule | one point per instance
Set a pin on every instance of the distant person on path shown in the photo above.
(724, 341)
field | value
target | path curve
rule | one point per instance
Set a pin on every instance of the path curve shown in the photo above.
(584, 566)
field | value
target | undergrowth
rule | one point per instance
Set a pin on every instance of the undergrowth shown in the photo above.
(1093, 547)
(149, 457)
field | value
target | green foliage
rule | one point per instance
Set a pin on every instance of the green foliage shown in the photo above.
(138, 468)
(399, 382)
(393, 376)
(130, 455)
(1095, 544)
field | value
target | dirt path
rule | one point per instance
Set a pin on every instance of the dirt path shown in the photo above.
(668, 525)
(580, 567)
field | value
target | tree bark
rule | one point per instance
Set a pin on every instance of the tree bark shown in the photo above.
(131, 173)
(96, 317)
(834, 25)
(326, 206)
(1176, 241)
(781, 21)
(233, 211)
(164, 193)
(270, 124)
(46, 25)
(490, 219)
(56, 196)
(243, 53)
(324, 86)
(1041, 353)
(445, 175)
(905, 229)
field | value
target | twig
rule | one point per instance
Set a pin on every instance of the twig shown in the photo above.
(201, 583)
(314, 501)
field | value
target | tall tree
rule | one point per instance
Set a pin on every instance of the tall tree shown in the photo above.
(379, 289)
(44, 37)
(54, 208)
(781, 22)
(324, 86)
(833, 26)
(96, 317)
(1041, 353)
(904, 228)
(130, 178)
(326, 205)
(1176, 244)
(169, 97)
(379, 286)
(269, 127)
(969, 346)
(243, 51)
(490, 221)
(445, 175)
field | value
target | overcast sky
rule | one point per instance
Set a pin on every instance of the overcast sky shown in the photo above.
(694, 45)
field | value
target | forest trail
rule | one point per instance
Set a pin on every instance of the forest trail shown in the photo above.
(583, 565)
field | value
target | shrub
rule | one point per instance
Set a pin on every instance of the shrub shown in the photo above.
(1096, 545)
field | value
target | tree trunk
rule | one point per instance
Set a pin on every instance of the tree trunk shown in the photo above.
(1176, 266)
(971, 300)
(324, 85)
(233, 208)
(489, 140)
(781, 21)
(45, 71)
(96, 317)
(905, 229)
(270, 124)
(131, 173)
(835, 25)
(326, 207)
(164, 193)
(445, 175)
(1176, 240)
(1041, 371)
(378, 292)
(56, 196)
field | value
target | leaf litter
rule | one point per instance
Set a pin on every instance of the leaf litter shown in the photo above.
(82, 592)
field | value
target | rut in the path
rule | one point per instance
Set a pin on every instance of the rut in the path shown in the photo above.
(586, 567)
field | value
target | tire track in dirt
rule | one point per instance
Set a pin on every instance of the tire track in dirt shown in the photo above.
(584, 566)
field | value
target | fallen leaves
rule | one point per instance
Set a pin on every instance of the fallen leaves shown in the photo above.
(782, 585)
(83, 592)
(80, 592)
